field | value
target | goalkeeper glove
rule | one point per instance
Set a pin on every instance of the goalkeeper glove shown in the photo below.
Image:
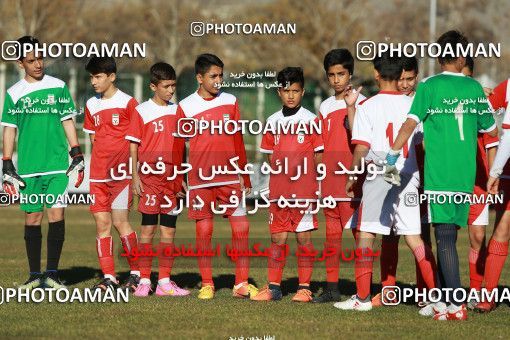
(11, 181)
(391, 174)
(76, 170)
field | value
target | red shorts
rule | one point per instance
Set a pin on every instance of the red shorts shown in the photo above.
(478, 212)
(158, 196)
(291, 219)
(111, 195)
(504, 186)
(212, 195)
(346, 212)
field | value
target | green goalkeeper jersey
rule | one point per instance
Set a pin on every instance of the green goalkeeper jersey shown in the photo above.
(37, 111)
(453, 109)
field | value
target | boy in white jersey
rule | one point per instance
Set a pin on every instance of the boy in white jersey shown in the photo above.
(336, 114)
(39, 108)
(384, 206)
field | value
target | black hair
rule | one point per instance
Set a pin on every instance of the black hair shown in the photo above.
(24, 41)
(98, 65)
(410, 64)
(389, 68)
(291, 75)
(205, 61)
(339, 56)
(452, 38)
(470, 63)
(162, 71)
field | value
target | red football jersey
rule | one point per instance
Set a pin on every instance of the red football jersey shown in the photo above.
(109, 120)
(337, 146)
(212, 149)
(153, 127)
(296, 149)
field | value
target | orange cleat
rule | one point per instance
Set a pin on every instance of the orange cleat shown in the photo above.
(303, 295)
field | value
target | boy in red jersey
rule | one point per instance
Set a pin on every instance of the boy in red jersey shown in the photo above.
(211, 149)
(479, 212)
(152, 144)
(497, 249)
(295, 149)
(107, 119)
(337, 115)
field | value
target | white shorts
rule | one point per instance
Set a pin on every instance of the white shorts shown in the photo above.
(385, 207)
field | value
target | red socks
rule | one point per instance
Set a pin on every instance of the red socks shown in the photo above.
(240, 230)
(276, 262)
(476, 267)
(145, 261)
(425, 259)
(204, 229)
(497, 253)
(166, 260)
(363, 272)
(104, 248)
(333, 241)
(130, 242)
(305, 264)
(389, 260)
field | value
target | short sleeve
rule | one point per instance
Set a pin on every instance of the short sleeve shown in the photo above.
(317, 141)
(362, 129)
(267, 143)
(486, 120)
(9, 115)
(421, 103)
(498, 97)
(135, 128)
(67, 108)
(88, 123)
(489, 141)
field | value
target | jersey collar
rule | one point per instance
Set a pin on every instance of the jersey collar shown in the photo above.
(458, 74)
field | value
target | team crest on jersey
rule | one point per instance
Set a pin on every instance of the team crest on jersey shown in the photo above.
(301, 138)
(115, 119)
(226, 117)
(51, 99)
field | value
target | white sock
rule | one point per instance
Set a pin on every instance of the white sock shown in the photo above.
(145, 281)
(111, 277)
(164, 281)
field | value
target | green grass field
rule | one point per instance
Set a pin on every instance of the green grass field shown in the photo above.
(224, 316)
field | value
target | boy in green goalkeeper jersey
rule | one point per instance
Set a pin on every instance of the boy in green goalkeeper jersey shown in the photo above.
(453, 109)
(39, 108)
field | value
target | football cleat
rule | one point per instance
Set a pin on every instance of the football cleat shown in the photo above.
(206, 292)
(171, 289)
(268, 294)
(354, 303)
(52, 280)
(327, 295)
(244, 290)
(131, 283)
(485, 307)
(303, 295)
(34, 281)
(452, 313)
(142, 290)
(106, 284)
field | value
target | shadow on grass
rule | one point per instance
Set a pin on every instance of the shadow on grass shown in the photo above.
(75, 275)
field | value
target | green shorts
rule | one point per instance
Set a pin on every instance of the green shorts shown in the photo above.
(44, 190)
(448, 212)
